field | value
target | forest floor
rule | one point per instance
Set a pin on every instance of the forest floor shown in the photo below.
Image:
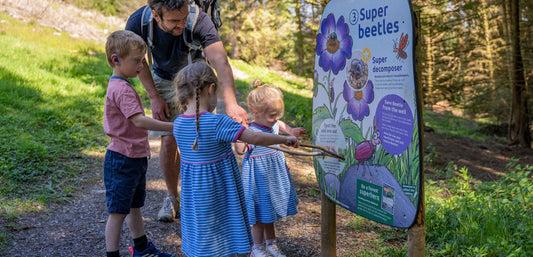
(76, 227)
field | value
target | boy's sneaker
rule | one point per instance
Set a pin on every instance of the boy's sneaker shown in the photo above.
(259, 252)
(150, 251)
(274, 250)
(170, 209)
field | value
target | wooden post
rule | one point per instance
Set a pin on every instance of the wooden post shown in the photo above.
(328, 227)
(416, 235)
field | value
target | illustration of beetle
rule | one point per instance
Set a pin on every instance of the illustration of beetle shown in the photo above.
(399, 48)
(365, 150)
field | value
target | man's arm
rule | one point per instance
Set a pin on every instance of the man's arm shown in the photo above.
(219, 60)
(160, 109)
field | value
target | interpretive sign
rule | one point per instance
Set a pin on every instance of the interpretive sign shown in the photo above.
(365, 108)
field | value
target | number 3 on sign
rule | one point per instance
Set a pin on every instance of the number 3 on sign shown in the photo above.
(354, 17)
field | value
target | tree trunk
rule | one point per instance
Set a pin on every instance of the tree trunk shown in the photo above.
(430, 66)
(519, 132)
(299, 39)
(489, 45)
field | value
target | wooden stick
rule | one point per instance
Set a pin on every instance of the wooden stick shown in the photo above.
(325, 152)
(330, 153)
(295, 152)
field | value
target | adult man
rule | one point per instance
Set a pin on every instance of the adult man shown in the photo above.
(170, 54)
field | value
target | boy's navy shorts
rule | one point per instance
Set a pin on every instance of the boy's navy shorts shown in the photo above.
(125, 182)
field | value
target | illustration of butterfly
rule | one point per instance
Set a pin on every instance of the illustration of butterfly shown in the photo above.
(399, 48)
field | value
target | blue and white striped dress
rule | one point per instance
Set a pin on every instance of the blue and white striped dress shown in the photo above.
(214, 221)
(268, 186)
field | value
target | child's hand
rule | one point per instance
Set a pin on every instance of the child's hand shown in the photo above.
(298, 132)
(240, 148)
(292, 141)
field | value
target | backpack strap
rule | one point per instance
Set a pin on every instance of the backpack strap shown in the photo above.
(147, 22)
(188, 37)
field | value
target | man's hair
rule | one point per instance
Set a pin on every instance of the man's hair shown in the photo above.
(170, 5)
(123, 43)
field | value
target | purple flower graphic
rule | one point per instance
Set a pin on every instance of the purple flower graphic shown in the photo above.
(333, 44)
(358, 100)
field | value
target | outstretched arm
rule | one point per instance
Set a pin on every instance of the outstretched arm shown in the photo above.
(160, 109)
(144, 122)
(262, 138)
(219, 60)
(298, 132)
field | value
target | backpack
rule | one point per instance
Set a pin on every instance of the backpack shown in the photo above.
(208, 6)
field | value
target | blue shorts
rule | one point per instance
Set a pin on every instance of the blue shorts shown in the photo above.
(125, 182)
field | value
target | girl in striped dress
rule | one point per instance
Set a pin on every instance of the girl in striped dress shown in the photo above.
(214, 221)
(268, 187)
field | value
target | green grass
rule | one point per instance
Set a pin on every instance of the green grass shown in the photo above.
(454, 126)
(481, 219)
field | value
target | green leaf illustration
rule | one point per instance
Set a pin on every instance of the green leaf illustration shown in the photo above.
(351, 130)
(320, 114)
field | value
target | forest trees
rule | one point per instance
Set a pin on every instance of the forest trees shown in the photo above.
(478, 56)
(278, 33)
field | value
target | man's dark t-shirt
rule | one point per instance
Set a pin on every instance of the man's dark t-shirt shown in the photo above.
(170, 52)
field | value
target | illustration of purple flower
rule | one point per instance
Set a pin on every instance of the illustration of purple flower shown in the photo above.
(333, 44)
(358, 100)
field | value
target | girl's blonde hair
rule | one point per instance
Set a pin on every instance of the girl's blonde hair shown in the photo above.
(266, 98)
(190, 81)
(123, 43)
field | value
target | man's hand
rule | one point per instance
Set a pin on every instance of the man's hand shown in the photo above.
(160, 109)
(237, 113)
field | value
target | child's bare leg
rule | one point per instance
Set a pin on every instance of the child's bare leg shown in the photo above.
(135, 223)
(258, 231)
(270, 232)
(113, 229)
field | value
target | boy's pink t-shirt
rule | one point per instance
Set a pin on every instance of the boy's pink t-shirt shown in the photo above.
(122, 102)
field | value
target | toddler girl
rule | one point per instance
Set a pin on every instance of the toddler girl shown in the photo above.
(214, 221)
(268, 187)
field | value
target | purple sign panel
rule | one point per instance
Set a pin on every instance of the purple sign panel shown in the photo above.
(365, 108)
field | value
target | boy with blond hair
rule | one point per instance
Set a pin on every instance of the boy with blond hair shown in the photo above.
(127, 154)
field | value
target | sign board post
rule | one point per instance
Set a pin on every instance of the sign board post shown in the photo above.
(367, 108)
(416, 234)
(328, 227)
